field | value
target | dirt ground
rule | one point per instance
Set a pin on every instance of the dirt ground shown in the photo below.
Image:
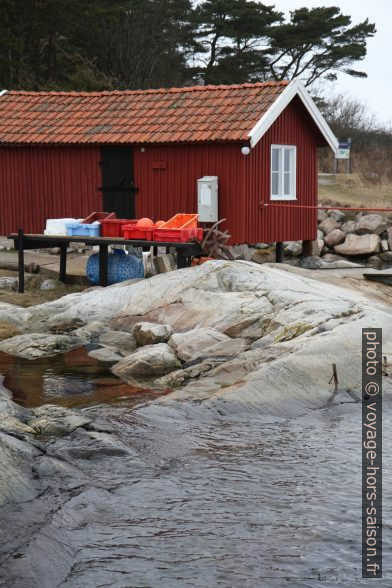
(33, 295)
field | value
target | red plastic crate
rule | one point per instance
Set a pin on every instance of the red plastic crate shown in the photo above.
(177, 235)
(131, 231)
(112, 227)
(182, 221)
(98, 216)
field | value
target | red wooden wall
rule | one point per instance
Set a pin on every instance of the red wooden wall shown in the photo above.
(293, 127)
(167, 176)
(164, 192)
(37, 183)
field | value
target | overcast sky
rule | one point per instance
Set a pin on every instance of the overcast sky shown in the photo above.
(376, 89)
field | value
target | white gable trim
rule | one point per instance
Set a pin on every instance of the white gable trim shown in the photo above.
(295, 88)
(2, 92)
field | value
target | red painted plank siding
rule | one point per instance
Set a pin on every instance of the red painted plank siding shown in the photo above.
(37, 183)
(293, 127)
(164, 192)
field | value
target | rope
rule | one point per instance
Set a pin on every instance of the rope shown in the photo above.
(263, 204)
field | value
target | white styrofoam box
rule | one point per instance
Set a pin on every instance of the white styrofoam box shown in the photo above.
(207, 199)
(57, 226)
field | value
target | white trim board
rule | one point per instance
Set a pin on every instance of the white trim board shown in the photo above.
(2, 92)
(295, 88)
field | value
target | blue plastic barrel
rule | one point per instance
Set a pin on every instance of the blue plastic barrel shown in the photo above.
(121, 267)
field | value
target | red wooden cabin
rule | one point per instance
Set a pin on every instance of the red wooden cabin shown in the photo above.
(140, 153)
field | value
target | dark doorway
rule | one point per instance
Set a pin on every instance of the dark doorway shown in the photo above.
(118, 189)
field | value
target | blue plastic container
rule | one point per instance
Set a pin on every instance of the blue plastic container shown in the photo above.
(83, 230)
(121, 267)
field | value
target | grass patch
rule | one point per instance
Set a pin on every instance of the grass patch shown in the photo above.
(352, 190)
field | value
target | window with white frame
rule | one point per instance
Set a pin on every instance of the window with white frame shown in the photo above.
(283, 172)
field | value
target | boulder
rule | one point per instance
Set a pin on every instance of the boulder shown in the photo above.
(262, 246)
(328, 225)
(33, 345)
(335, 237)
(123, 342)
(321, 216)
(371, 223)
(389, 233)
(386, 257)
(374, 261)
(337, 215)
(293, 249)
(349, 227)
(147, 362)
(9, 283)
(105, 354)
(311, 262)
(240, 252)
(51, 285)
(384, 245)
(359, 245)
(151, 333)
(196, 342)
(320, 234)
(317, 247)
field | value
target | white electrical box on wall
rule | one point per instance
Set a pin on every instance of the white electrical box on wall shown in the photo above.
(207, 199)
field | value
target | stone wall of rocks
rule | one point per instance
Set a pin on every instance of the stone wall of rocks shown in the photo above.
(365, 238)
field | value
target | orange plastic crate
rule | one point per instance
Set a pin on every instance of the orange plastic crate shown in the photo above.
(177, 235)
(181, 221)
(112, 227)
(131, 231)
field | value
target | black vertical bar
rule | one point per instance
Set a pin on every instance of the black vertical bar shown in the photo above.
(21, 260)
(279, 252)
(63, 262)
(155, 250)
(181, 259)
(167, 249)
(103, 264)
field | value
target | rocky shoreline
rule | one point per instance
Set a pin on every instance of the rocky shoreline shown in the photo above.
(200, 326)
(228, 338)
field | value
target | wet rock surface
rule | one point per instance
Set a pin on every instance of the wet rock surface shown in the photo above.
(33, 345)
(229, 480)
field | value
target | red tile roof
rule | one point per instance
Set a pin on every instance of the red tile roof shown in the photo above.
(192, 114)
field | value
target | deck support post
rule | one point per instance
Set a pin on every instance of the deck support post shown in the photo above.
(307, 248)
(103, 264)
(63, 262)
(181, 259)
(21, 268)
(279, 252)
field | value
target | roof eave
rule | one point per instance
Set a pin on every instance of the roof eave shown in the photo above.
(295, 88)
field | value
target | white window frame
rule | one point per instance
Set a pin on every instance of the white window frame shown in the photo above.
(293, 173)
